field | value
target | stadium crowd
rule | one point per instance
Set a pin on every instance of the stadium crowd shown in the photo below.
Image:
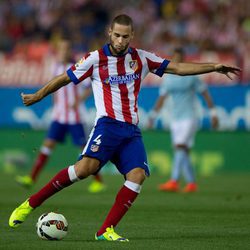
(33, 26)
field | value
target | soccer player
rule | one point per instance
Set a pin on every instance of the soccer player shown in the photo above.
(66, 119)
(117, 71)
(183, 125)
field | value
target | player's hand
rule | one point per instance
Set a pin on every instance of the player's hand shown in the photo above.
(226, 69)
(29, 99)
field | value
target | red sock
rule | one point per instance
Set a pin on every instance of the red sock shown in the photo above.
(60, 181)
(123, 202)
(38, 165)
(98, 177)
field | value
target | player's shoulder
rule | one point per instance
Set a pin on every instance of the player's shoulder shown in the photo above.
(92, 54)
(142, 51)
(89, 57)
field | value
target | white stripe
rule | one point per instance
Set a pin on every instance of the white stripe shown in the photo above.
(117, 103)
(131, 88)
(99, 100)
(72, 174)
(45, 150)
(115, 91)
(97, 87)
(133, 186)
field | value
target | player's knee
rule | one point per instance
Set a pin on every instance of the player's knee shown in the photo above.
(86, 167)
(136, 175)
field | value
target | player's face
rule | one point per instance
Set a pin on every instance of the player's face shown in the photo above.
(120, 37)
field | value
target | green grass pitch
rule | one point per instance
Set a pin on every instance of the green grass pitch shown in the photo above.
(216, 217)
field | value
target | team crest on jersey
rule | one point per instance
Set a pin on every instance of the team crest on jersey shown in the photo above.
(94, 148)
(133, 65)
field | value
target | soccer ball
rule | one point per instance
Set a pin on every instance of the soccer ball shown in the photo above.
(52, 226)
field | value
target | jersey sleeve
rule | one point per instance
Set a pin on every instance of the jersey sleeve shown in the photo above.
(82, 69)
(156, 64)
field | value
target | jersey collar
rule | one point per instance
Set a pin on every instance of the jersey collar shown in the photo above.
(107, 51)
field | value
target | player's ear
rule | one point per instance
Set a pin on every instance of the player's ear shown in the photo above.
(109, 31)
(132, 35)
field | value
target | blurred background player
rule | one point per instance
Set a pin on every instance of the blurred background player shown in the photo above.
(66, 119)
(184, 122)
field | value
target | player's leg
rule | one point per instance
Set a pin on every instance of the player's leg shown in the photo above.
(82, 169)
(189, 175)
(182, 138)
(188, 168)
(89, 164)
(56, 133)
(124, 200)
(179, 157)
(177, 137)
(125, 161)
(79, 139)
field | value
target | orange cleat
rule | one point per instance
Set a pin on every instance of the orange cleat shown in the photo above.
(190, 188)
(169, 186)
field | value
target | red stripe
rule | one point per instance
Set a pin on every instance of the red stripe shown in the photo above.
(124, 91)
(137, 87)
(76, 108)
(104, 74)
(86, 56)
(153, 65)
(86, 74)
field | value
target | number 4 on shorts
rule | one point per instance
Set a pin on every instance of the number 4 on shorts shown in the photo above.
(97, 140)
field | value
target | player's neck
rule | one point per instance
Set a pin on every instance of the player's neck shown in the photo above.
(114, 53)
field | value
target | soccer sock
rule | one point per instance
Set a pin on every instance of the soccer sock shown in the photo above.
(63, 179)
(40, 162)
(188, 170)
(123, 202)
(179, 157)
(98, 177)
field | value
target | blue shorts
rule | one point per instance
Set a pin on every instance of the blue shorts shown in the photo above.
(57, 131)
(119, 142)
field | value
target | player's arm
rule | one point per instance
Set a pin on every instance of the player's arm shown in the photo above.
(200, 68)
(53, 85)
(154, 112)
(213, 114)
(159, 103)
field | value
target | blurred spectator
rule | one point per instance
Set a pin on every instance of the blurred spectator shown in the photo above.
(220, 25)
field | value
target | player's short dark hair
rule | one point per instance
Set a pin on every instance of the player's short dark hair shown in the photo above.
(123, 20)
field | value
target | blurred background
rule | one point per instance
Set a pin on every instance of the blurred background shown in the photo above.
(208, 30)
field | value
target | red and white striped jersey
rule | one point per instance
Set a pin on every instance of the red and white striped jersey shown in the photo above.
(64, 109)
(116, 80)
